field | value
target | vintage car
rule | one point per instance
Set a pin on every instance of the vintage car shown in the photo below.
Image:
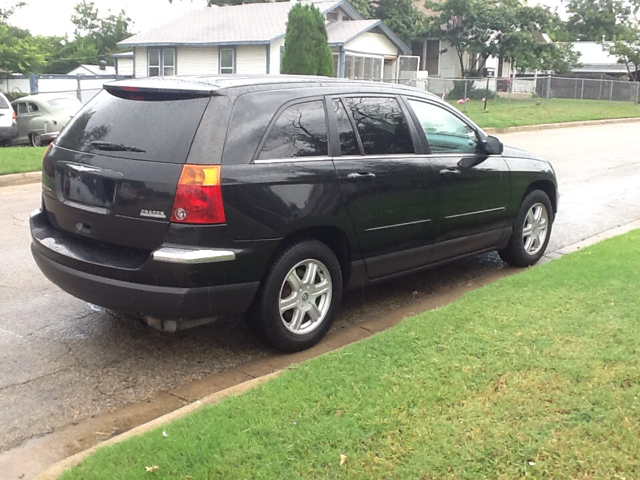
(41, 117)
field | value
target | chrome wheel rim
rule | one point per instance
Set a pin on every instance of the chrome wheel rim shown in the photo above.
(305, 296)
(35, 140)
(535, 229)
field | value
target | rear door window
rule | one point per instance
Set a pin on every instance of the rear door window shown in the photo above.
(348, 140)
(22, 108)
(151, 130)
(3, 102)
(381, 124)
(299, 131)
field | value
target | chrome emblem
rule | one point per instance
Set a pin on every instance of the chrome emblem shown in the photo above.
(152, 213)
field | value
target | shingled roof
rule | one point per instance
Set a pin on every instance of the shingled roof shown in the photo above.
(251, 24)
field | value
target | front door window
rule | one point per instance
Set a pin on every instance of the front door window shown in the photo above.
(445, 132)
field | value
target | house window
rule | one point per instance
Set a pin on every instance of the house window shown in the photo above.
(227, 60)
(432, 61)
(332, 16)
(161, 62)
(363, 68)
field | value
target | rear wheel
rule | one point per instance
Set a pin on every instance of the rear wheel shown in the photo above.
(35, 140)
(531, 231)
(299, 297)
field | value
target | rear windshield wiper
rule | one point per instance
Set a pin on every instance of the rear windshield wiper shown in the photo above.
(115, 147)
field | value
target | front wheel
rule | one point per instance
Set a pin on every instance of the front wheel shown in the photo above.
(531, 231)
(299, 297)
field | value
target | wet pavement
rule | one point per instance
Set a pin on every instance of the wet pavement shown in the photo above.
(62, 362)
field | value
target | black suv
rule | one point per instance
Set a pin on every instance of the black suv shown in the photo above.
(191, 197)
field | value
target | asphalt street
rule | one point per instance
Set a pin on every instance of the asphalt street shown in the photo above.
(62, 362)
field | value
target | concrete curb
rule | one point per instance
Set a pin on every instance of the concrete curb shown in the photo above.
(551, 126)
(346, 337)
(16, 179)
(35, 177)
(55, 471)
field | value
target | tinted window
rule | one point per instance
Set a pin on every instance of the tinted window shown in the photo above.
(300, 131)
(3, 102)
(158, 131)
(348, 141)
(445, 132)
(381, 124)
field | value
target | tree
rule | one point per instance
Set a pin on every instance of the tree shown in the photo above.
(402, 17)
(306, 51)
(20, 51)
(504, 29)
(597, 19)
(626, 47)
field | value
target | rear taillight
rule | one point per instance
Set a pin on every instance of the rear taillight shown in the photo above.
(198, 196)
(15, 116)
(47, 151)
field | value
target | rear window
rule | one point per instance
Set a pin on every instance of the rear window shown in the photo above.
(156, 131)
(4, 103)
(63, 102)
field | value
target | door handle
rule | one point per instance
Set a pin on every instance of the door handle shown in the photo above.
(449, 172)
(360, 175)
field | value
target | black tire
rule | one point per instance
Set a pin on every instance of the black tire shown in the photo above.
(515, 253)
(35, 140)
(265, 316)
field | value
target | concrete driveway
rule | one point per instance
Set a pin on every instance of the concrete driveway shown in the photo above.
(62, 362)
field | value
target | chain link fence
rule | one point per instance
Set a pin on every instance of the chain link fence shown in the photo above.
(537, 88)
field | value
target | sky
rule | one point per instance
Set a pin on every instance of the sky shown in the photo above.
(48, 17)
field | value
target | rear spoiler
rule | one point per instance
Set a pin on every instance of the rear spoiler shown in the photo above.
(160, 92)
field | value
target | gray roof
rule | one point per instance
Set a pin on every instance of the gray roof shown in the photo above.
(252, 23)
(341, 33)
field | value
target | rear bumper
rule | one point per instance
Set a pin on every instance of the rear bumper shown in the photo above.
(156, 301)
(8, 133)
(64, 264)
(49, 136)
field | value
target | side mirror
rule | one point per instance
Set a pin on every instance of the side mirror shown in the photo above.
(492, 145)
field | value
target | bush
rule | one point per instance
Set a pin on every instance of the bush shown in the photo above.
(473, 91)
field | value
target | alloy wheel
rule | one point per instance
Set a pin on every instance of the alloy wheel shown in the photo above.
(305, 296)
(535, 229)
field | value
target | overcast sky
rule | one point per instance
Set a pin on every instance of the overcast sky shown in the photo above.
(49, 17)
(52, 17)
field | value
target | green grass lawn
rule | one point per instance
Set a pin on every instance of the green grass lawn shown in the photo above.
(20, 159)
(503, 113)
(536, 375)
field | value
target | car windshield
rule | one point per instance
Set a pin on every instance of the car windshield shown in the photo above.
(4, 103)
(64, 102)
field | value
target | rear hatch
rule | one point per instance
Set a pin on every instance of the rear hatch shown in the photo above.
(113, 172)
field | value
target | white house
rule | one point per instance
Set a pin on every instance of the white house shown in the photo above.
(595, 59)
(123, 63)
(249, 39)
